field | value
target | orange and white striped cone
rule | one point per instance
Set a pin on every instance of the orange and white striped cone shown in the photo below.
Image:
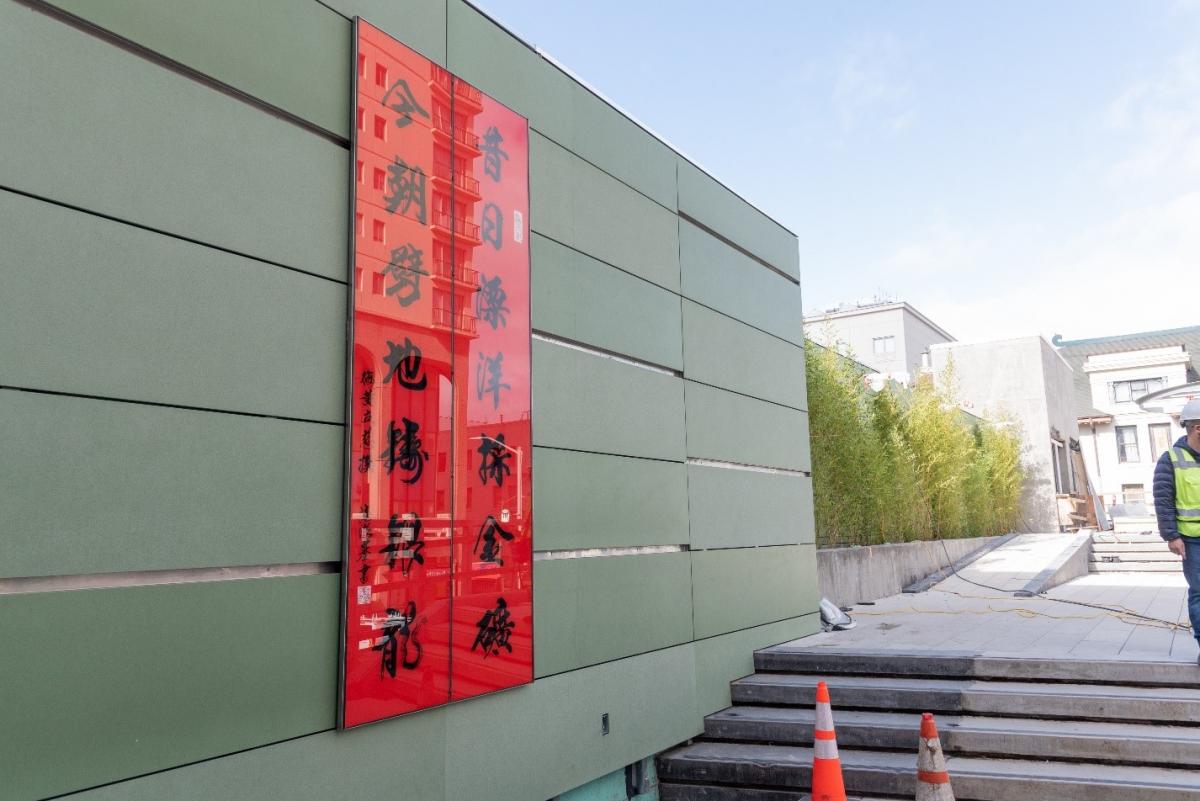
(933, 780)
(827, 782)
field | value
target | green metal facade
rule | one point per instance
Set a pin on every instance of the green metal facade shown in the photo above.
(173, 248)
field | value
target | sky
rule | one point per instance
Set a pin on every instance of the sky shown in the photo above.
(1008, 167)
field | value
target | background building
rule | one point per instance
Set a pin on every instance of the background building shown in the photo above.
(174, 256)
(1024, 380)
(1122, 435)
(891, 337)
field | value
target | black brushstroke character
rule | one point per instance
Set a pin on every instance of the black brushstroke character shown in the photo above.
(495, 627)
(493, 454)
(404, 542)
(405, 363)
(404, 449)
(489, 303)
(400, 638)
(491, 546)
(400, 100)
(368, 378)
(492, 230)
(490, 146)
(406, 188)
(404, 268)
(489, 377)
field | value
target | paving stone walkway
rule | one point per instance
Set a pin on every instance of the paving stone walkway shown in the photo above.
(956, 615)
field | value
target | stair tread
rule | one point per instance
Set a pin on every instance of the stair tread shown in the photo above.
(1012, 770)
(800, 680)
(967, 723)
(975, 665)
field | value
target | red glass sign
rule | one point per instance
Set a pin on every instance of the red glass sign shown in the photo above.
(438, 566)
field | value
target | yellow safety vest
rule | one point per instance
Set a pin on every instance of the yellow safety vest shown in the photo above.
(1187, 492)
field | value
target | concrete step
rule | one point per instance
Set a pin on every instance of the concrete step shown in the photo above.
(1136, 556)
(1116, 703)
(1127, 743)
(714, 792)
(784, 767)
(829, 662)
(1133, 567)
(1130, 547)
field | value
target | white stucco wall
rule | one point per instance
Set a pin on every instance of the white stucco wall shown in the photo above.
(1026, 381)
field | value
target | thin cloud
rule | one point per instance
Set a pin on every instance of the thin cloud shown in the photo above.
(869, 89)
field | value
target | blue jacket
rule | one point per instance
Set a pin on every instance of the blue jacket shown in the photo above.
(1164, 491)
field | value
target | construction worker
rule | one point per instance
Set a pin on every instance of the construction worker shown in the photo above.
(1177, 504)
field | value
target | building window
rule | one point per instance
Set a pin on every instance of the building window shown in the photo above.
(1160, 438)
(1133, 493)
(1127, 391)
(884, 344)
(1127, 444)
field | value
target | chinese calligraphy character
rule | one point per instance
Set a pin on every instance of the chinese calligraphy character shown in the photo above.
(406, 187)
(495, 628)
(493, 454)
(489, 377)
(400, 100)
(404, 540)
(404, 449)
(492, 230)
(489, 303)
(399, 637)
(364, 463)
(366, 397)
(404, 267)
(405, 364)
(368, 378)
(491, 546)
(490, 146)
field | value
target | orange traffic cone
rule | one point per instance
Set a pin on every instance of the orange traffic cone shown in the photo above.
(827, 782)
(933, 781)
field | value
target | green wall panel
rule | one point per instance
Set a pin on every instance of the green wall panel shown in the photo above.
(724, 426)
(579, 205)
(736, 588)
(94, 126)
(737, 508)
(420, 24)
(100, 685)
(535, 742)
(622, 148)
(704, 199)
(96, 307)
(720, 660)
(509, 70)
(729, 281)
(587, 500)
(588, 301)
(293, 55)
(558, 107)
(597, 609)
(586, 402)
(96, 486)
(723, 352)
(321, 767)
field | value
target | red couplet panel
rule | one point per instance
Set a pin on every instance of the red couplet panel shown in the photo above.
(492, 644)
(438, 558)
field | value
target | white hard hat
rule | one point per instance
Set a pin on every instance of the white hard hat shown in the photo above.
(1191, 412)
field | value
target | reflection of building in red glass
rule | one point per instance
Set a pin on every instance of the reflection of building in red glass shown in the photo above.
(455, 193)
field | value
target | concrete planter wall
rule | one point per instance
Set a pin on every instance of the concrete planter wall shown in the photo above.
(863, 573)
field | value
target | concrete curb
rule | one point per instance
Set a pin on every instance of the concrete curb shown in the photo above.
(1071, 563)
(933, 578)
